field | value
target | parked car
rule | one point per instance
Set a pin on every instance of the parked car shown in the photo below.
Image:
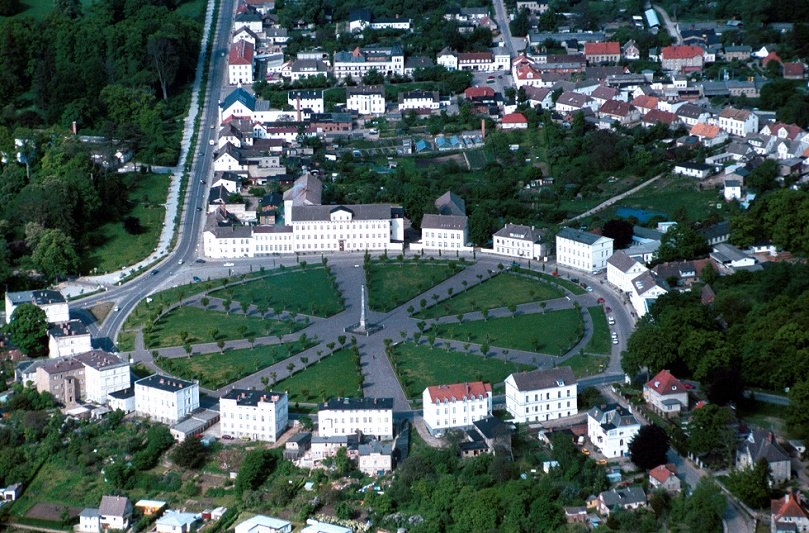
(601, 300)
(196, 279)
(228, 264)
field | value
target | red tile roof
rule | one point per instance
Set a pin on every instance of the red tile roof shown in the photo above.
(680, 52)
(707, 131)
(656, 115)
(475, 56)
(528, 72)
(788, 506)
(458, 391)
(794, 70)
(772, 56)
(478, 92)
(241, 53)
(602, 49)
(665, 383)
(663, 472)
(645, 101)
(515, 118)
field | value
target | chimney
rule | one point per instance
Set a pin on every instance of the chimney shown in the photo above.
(74, 128)
(483, 128)
(298, 106)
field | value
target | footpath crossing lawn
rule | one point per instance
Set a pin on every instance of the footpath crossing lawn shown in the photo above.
(336, 375)
(419, 366)
(198, 324)
(215, 370)
(309, 291)
(392, 283)
(500, 291)
(600, 341)
(552, 333)
(586, 365)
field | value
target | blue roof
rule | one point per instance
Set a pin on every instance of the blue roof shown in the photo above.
(239, 95)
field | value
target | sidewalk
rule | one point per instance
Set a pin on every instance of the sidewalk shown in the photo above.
(84, 284)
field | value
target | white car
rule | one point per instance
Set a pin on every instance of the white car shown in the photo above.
(228, 264)
(611, 320)
(615, 340)
(212, 142)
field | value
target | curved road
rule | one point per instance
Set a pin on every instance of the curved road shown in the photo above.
(672, 28)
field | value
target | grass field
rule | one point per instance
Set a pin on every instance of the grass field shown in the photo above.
(575, 288)
(479, 158)
(309, 291)
(500, 291)
(586, 365)
(764, 415)
(419, 366)
(112, 247)
(551, 333)
(336, 375)
(600, 342)
(391, 284)
(197, 324)
(215, 370)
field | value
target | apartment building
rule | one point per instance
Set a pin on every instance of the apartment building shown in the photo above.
(255, 415)
(541, 395)
(165, 399)
(455, 406)
(349, 416)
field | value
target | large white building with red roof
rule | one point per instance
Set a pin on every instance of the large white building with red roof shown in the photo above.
(455, 406)
(665, 393)
(240, 63)
(789, 514)
(514, 121)
(609, 52)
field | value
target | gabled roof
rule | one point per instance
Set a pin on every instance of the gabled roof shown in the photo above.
(790, 506)
(615, 108)
(794, 69)
(648, 281)
(444, 222)
(583, 237)
(573, 99)
(622, 497)
(515, 118)
(604, 93)
(664, 117)
(646, 101)
(690, 110)
(622, 261)
(458, 391)
(544, 379)
(478, 92)
(536, 93)
(241, 53)
(115, 506)
(735, 114)
(705, 131)
(450, 203)
(664, 383)
(662, 473)
(239, 95)
(602, 49)
(680, 52)
(761, 444)
(520, 232)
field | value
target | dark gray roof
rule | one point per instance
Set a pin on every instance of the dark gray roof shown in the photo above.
(443, 222)
(166, 383)
(375, 447)
(690, 111)
(311, 94)
(647, 281)
(761, 444)
(115, 506)
(39, 297)
(694, 165)
(419, 62)
(491, 427)
(312, 213)
(612, 416)
(646, 233)
(99, 359)
(579, 236)
(621, 261)
(523, 233)
(253, 397)
(450, 203)
(354, 404)
(544, 379)
(68, 329)
(366, 89)
(624, 496)
(123, 394)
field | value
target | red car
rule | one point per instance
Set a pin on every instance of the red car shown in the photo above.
(601, 300)
(608, 309)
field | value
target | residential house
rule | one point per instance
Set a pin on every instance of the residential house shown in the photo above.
(176, 522)
(627, 499)
(693, 169)
(783, 131)
(89, 521)
(302, 69)
(730, 258)
(665, 477)
(52, 302)
(522, 242)
(646, 288)
(527, 75)
(349, 416)
(252, 414)
(366, 99)
(306, 99)
(794, 71)
(608, 52)
(789, 514)
(313, 526)
(570, 102)
(115, 512)
(761, 444)
(645, 103)
(297, 445)
(165, 399)
(68, 338)
(666, 394)
(487, 435)
(90, 376)
(682, 273)
(611, 428)
(656, 116)
(692, 114)
(375, 458)
(630, 50)
(536, 7)
(386, 60)
(539, 97)
(738, 122)
(419, 99)
(455, 406)
(682, 58)
(732, 190)
(622, 269)
(445, 232)
(514, 121)
(582, 250)
(737, 52)
(479, 94)
(709, 134)
(240, 63)
(263, 524)
(617, 111)
(248, 19)
(414, 63)
(541, 395)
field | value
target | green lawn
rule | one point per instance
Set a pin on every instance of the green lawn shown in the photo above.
(586, 365)
(215, 370)
(419, 366)
(391, 284)
(309, 291)
(575, 288)
(500, 291)
(764, 415)
(600, 341)
(551, 333)
(112, 247)
(336, 375)
(197, 324)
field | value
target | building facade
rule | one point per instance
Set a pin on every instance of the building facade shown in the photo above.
(348, 416)
(522, 242)
(355, 64)
(165, 399)
(582, 250)
(68, 338)
(52, 302)
(256, 415)
(455, 406)
(541, 395)
(366, 99)
(611, 429)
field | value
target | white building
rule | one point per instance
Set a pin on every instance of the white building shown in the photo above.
(611, 429)
(52, 302)
(693, 169)
(366, 99)
(176, 522)
(264, 524)
(313, 526)
(582, 250)
(115, 512)
(307, 99)
(360, 61)
(68, 338)
(320, 228)
(541, 395)
(523, 242)
(348, 416)
(622, 269)
(89, 376)
(646, 288)
(254, 414)
(419, 99)
(375, 458)
(666, 394)
(738, 122)
(104, 373)
(445, 232)
(165, 399)
(455, 406)
(732, 190)
(240, 63)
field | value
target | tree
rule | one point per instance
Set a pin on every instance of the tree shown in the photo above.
(165, 55)
(256, 466)
(188, 348)
(29, 330)
(221, 345)
(132, 225)
(55, 254)
(521, 23)
(190, 453)
(681, 242)
(710, 435)
(752, 485)
(649, 446)
(701, 511)
(797, 414)
(620, 231)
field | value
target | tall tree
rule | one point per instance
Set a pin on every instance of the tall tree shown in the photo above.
(649, 446)
(164, 53)
(701, 511)
(797, 414)
(55, 255)
(710, 435)
(29, 330)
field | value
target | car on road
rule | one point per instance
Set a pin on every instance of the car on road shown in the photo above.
(200, 261)
(227, 437)
(608, 309)
(611, 320)
(115, 308)
(615, 340)
(589, 289)
(199, 208)
(601, 300)
(212, 142)
(228, 264)
(490, 79)
(154, 272)
(196, 279)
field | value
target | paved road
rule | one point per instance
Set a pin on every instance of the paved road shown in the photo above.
(672, 28)
(501, 16)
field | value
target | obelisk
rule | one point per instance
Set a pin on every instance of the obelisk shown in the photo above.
(362, 309)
